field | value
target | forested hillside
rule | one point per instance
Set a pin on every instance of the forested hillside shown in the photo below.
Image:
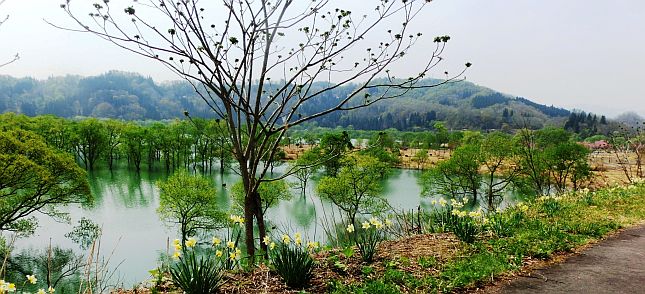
(128, 96)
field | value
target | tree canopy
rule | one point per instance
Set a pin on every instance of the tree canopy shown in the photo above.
(35, 177)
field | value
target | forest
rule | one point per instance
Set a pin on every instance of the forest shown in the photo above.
(130, 96)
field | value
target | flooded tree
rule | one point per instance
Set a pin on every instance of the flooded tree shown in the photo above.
(259, 64)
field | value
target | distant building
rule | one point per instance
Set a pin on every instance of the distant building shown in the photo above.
(598, 145)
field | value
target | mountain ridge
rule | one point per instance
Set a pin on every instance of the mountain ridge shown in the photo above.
(131, 96)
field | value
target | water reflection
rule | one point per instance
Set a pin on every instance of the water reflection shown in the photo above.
(126, 204)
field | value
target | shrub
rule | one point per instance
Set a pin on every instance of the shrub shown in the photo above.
(504, 224)
(293, 264)
(197, 275)
(368, 237)
(466, 229)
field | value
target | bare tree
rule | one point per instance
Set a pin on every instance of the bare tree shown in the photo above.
(2, 21)
(258, 64)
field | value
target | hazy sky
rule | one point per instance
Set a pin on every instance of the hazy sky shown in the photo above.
(583, 54)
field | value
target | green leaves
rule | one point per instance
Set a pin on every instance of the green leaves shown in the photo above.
(189, 200)
(34, 177)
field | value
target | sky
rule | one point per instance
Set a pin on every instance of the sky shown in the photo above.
(577, 54)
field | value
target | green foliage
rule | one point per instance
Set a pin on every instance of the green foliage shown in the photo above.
(34, 177)
(189, 202)
(357, 187)
(294, 264)
(198, 276)
(456, 177)
(367, 241)
(466, 229)
(271, 193)
(332, 149)
(56, 267)
(504, 224)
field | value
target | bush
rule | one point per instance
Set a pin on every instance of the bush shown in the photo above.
(193, 275)
(504, 224)
(293, 264)
(368, 237)
(466, 229)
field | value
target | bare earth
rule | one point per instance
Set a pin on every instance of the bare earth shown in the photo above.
(616, 265)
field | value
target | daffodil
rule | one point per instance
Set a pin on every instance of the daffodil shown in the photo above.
(286, 239)
(266, 240)
(272, 245)
(191, 242)
(388, 222)
(433, 202)
(373, 221)
(297, 238)
(176, 255)
(366, 225)
(11, 287)
(232, 256)
(350, 228)
(312, 245)
(230, 244)
(218, 253)
(32, 279)
(216, 241)
(176, 242)
(177, 247)
(238, 251)
(41, 291)
(51, 290)
(443, 202)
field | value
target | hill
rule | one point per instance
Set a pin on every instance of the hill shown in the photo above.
(128, 96)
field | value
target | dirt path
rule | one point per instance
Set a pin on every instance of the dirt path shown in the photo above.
(616, 265)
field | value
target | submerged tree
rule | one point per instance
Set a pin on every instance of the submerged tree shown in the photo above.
(258, 64)
(189, 202)
(35, 178)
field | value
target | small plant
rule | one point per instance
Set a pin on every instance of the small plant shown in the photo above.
(197, 275)
(551, 206)
(504, 224)
(367, 270)
(466, 229)
(427, 262)
(292, 261)
(368, 237)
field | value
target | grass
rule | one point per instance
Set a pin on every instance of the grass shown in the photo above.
(549, 226)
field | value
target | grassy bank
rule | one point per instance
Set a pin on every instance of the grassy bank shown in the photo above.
(513, 241)
(456, 251)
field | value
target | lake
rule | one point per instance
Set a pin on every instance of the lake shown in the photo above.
(126, 202)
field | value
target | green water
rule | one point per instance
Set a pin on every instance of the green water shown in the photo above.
(125, 204)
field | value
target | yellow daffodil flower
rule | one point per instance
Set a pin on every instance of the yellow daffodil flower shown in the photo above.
(366, 225)
(32, 279)
(266, 240)
(433, 202)
(176, 255)
(177, 247)
(176, 242)
(286, 239)
(11, 287)
(350, 228)
(312, 245)
(388, 222)
(41, 291)
(191, 242)
(218, 253)
(232, 256)
(373, 221)
(230, 244)
(216, 241)
(51, 290)
(378, 225)
(443, 202)
(272, 246)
